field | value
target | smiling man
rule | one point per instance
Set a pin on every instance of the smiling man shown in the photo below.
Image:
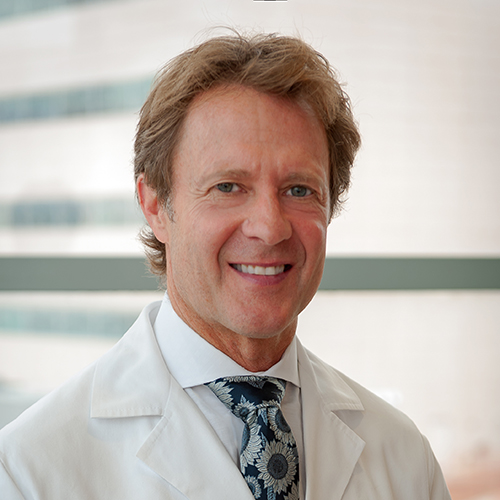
(245, 245)
(243, 150)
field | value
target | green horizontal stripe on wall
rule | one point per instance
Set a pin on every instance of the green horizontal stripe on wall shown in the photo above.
(72, 274)
(363, 273)
(411, 274)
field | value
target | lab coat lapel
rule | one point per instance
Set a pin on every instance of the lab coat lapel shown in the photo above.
(185, 450)
(133, 381)
(332, 448)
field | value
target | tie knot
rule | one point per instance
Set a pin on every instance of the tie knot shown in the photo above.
(248, 393)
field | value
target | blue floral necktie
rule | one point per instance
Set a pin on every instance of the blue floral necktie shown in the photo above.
(268, 460)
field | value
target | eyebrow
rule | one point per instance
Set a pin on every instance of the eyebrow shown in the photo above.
(232, 173)
(300, 177)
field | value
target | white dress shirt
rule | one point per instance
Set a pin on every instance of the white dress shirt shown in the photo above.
(193, 362)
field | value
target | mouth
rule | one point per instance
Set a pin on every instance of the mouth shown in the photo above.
(261, 270)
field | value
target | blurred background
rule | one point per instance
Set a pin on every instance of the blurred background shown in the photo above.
(410, 302)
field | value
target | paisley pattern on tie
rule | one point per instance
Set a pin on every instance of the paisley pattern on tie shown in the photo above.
(268, 458)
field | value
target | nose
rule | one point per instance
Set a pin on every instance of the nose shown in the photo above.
(267, 221)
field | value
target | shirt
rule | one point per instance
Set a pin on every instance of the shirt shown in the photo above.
(193, 362)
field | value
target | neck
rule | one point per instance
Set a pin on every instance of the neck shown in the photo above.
(253, 352)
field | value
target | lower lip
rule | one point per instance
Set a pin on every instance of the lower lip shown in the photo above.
(264, 280)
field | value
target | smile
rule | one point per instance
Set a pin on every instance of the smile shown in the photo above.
(260, 270)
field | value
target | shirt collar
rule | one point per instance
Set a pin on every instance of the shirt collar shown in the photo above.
(193, 361)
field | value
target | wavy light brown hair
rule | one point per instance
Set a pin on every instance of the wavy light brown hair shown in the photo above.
(278, 65)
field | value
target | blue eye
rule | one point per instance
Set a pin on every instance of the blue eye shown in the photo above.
(225, 187)
(299, 191)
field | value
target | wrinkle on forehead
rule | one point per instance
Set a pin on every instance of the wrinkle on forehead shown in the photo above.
(228, 92)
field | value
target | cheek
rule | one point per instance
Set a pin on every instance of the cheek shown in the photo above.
(312, 233)
(314, 241)
(208, 238)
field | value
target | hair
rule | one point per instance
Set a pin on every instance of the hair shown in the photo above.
(274, 64)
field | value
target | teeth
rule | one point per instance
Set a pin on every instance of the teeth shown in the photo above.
(260, 270)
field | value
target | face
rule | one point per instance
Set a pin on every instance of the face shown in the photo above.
(246, 243)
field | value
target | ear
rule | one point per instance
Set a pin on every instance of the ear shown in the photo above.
(153, 210)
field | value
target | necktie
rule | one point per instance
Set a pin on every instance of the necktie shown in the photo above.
(268, 460)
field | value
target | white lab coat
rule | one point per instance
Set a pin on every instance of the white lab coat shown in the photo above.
(124, 429)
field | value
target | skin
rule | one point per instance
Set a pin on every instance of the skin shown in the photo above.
(250, 186)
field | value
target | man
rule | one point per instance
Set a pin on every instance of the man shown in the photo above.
(243, 150)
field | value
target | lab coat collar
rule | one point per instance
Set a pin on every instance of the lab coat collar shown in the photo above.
(332, 448)
(185, 450)
(132, 380)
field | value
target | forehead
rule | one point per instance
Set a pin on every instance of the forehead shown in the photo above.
(240, 101)
(235, 116)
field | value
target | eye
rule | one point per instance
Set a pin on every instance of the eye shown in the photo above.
(299, 191)
(227, 187)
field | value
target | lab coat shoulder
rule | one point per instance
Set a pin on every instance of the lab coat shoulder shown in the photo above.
(64, 406)
(33, 441)
(393, 459)
(56, 445)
